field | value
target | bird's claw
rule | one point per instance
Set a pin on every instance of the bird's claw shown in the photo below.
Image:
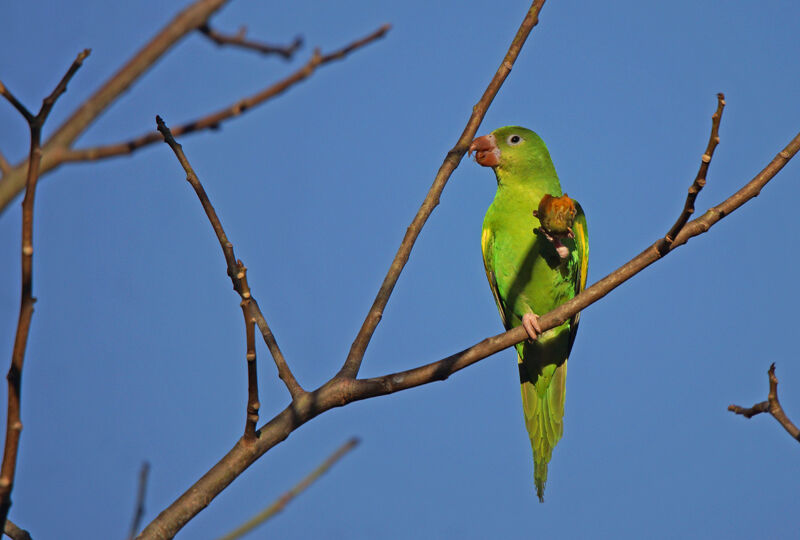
(530, 321)
(561, 249)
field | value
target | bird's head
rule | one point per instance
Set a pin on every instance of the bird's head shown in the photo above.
(512, 149)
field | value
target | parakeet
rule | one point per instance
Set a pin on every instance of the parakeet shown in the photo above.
(533, 265)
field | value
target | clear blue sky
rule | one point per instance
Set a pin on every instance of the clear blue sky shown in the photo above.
(137, 345)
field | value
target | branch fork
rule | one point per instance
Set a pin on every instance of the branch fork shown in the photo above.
(14, 377)
(771, 406)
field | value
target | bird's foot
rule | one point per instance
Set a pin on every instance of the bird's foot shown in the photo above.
(530, 321)
(561, 249)
(556, 216)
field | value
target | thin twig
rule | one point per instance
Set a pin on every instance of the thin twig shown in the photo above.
(234, 269)
(214, 120)
(352, 364)
(22, 109)
(699, 180)
(14, 377)
(771, 406)
(749, 412)
(141, 493)
(252, 368)
(340, 391)
(239, 40)
(16, 533)
(278, 506)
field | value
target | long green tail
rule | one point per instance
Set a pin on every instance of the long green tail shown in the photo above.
(543, 404)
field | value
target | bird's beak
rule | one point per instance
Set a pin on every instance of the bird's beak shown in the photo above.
(486, 151)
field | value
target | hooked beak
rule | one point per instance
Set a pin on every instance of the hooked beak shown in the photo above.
(486, 151)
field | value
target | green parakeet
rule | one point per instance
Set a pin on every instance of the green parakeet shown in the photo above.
(536, 252)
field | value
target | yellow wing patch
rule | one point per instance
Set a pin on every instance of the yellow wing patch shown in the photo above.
(580, 236)
(486, 249)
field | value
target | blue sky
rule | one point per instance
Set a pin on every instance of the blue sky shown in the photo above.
(137, 347)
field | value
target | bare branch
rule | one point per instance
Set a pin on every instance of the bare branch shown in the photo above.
(340, 391)
(772, 406)
(213, 120)
(337, 391)
(15, 533)
(141, 492)
(353, 362)
(234, 266)
(14, 377)
(251, 415)
(239, 40)
(699, 180)
(276, 507)
(186, 21)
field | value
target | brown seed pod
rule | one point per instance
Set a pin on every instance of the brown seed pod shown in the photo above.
(556, 214)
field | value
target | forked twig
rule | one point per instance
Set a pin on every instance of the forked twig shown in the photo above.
(236, 269)
(771, 406)
(14, 377)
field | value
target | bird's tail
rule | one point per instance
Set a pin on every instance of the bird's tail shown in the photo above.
(543, 404)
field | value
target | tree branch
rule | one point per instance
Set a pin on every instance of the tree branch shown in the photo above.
(251, 415)
(771, 406)
(352, 364)
(14, 532)
(213, 120)
(340, 391)
(14, 377)
(186, 21)
(141, 492)
(276, 507)
(337, 391)
(699, 180)
(236, 269)
(239, 40)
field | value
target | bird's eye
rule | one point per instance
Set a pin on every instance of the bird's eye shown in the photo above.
(514, 140)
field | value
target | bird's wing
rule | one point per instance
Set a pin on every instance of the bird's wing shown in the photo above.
(582, 247)
(487, 248)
